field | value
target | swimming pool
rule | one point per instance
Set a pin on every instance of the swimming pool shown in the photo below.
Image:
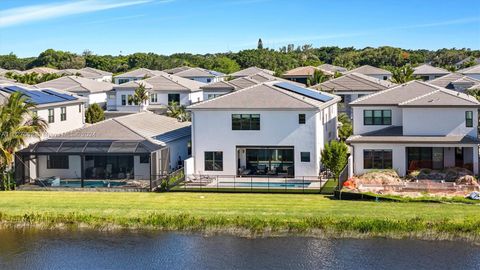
(265, 184)
(57, 182)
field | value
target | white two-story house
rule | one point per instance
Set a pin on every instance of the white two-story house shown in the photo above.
(163, 89)
(274, 128)
(413, 126)
(201, 75)
(135, 75)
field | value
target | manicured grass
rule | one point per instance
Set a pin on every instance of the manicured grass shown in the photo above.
(251, 213)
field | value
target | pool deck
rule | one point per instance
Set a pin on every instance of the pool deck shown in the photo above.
(257, 182)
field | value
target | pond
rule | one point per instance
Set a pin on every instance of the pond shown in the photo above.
(127, 250)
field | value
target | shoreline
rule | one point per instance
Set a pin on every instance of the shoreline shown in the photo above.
(432, 231)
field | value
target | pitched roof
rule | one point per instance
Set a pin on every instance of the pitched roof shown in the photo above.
(77, 85)
(427, 69)
(449, 80)
(470, 70)
(370, 70)
(164, 82)
(265, 96)
(417, 93)
(198, 72)
(332, 68)
(302, 72)
(42, 97)
(96, 71)
(139, 73)
(176, 69)
(220, 86)
(354, 82)
(41, 70)
(250, 71)
(476, 60)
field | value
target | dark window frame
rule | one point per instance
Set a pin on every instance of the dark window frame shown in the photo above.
(124, 100)
(171, 99)
(58, 162)
(51, 117)
(374, 155)
(469, 118)
(302, 118)
(144, 159)
(213, 161)
(63, 113)
(377, 120)
(246, 121)
(304, 156)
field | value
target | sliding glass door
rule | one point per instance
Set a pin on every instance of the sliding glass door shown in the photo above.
(270, 161)
(425, 158)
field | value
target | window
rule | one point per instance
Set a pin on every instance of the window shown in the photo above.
(124, 100)
(174, 98)
(209, 80)
(213, 161)
(57, 162)
(377, 117)
(79, 108)
(469, 118)
(210, 96)
(377, 159)
(120, 81)
(63, 113)
(111, 96)
(145, 158)
(385, 77)
(189, 148)
(153, 98)
(305, 156)
(301, 118)
(51, 116)
(245, 121)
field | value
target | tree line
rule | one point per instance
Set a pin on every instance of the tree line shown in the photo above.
(279, 60)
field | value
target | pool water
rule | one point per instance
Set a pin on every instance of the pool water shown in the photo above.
(265, 184)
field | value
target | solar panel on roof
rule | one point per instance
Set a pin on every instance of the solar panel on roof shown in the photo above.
(303, 91)
(39, 97)
(65, 96)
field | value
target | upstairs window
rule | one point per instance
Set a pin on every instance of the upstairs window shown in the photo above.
(469, 118)
(51, 116)
(377, 117)
(301, 118)
(245, 121)
(63, 113)
(305, 156)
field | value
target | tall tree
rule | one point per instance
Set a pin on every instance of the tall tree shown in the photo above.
(317, 77)
(17, 124)
(402, 74)
(178, 111)
(335, 157)
(260, 44)
(94, 114)
(346, 128)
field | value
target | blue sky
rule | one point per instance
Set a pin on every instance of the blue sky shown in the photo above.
(28, 27)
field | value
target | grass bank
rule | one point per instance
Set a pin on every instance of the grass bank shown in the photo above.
(241, 214)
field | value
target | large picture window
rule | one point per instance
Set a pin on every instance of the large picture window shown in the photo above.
(214, 161)
(377, 159)
(245, 121)
(57, 162)
(174, 98)
(377, 117)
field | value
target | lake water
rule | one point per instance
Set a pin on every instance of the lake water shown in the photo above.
(126, 250)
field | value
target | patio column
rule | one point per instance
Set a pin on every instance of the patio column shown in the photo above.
(475, 159)
(82, 170)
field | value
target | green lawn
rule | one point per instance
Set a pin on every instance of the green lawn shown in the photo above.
(256, 212)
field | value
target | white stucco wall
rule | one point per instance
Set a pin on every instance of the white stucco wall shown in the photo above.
(75, 118)
(206, 93)
(360, 128)
(178, 148)
(141, 170)
(438, 121)
(73, 171)
(212, 131)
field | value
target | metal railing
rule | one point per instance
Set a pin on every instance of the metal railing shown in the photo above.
(260, 184)
(166, 182)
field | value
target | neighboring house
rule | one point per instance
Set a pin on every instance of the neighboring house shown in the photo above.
(375, 72)
(427, 72)
(95, 91)
(40, 70)
(135, 75)
(303, 74)
(413, 126)
(89, 73)
(456, 81)
(250, 71)
(328, 68)
(138, 146)
(176, 69)
(352, 86)
(62, 111)
(275, 129)
(460, 64)
(472, 72)
(163, 89)
(201, 75)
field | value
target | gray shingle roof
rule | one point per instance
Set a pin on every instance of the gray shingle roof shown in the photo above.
(76, 84)
(354, 82)
(369, 70)
(417, 93)
(263, 96)
(426, 69)
(250, 71)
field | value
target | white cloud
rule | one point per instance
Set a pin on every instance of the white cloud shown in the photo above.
(20, 15)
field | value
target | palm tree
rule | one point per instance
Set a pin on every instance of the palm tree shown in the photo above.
(17, 124)
(177, 111)
(317, 77)
(140, 97)
(402, 74)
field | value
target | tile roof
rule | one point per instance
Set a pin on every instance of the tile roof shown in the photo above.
(446, 81)
(250, 71)
(41, 70)
(176, 69)
(264, 96)
(332, 68)
(470, 70)
(164, 82)
(303, 72)
(198, 72)
(417, 93)
(370, 70)
(76, 84)
(139, 73)
(354, 82)
(427, 69)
